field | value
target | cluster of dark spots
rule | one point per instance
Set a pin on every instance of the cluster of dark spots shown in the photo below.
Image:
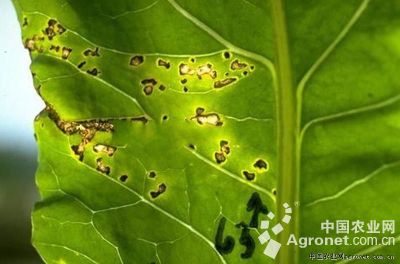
(161, 189)
(260, 164)
(53, 27)
(142, 119)
(109, 150)
(123, 178)
(136, 60)
(31, 44)
(55, 48)
(80, 65)
(203, 118)
(223, 246)
(65, 52)
(93, 72)
(86, 129)
(227, 55)
(224, 150)
(101, 167)
(163, 63)
(25, 23)
(236, 65)
(152, 174)
(148, 85)
(224, 82)
(94, 53)
(246, 240)
(249, 175)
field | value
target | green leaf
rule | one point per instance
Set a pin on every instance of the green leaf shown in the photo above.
(172, 127)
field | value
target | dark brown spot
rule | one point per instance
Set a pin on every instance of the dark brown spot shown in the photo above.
(152, 174)
(184, 69)
(162, 87)
(163, 63)
(274, 192)
(183, 81)
(25, 23)
(165, 117)
(199, 110)
(93, 53)
(227, 55)
(60, 29)
(185, 89)
(148, 89)
(123, 178)
(249, 175)
(192, 60)
(224, 82)
(252, 67)
(80, 65)
(78, 150)
(149, 81)
(191, 146)
(219, 157)
(260, 164)
(93, 72)
(136, 60)
(245, 73)
(140, 119)
(55, 48)
(161, 189)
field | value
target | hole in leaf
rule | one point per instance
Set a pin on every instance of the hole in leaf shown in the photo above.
(219, 157)
(101, 167)
(163, 63)
(93, 53)
(136, 60)
(109, 150)
(224, 82)
(66, 52)
(236, 65)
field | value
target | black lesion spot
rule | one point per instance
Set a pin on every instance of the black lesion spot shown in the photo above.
(227, 55)
(161, 189)
(219, 157)
(203, 118)
(245, 73)
(236, 65)
(162, 87)
(252, 67)
(224, 82)
(183, 81)
(78, 150)
(94, 53)
(25, 23)
(260, 164)
(164, 63)
(123, 178)
(142, 119)
(148, 85)
(56, 48)
(136, 60)
(152, 174)
(32, 44)
(80, 65)
(164, 117)
(274, 192)
(93, 72)
(249, 175)
(101, 167)
(192, 146)
(109, 150)
(192, 60)
(66, 52)
(60, 29)
(185, 89)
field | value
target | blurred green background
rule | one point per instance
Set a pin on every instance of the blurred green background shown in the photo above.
(19, 104)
